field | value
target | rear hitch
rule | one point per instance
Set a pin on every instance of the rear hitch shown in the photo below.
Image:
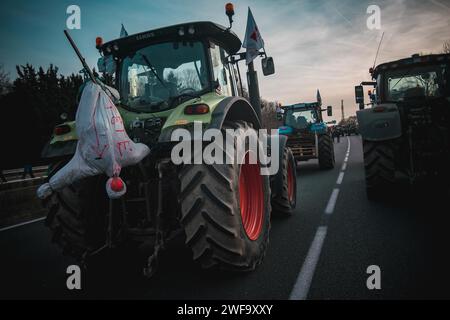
(153, 261)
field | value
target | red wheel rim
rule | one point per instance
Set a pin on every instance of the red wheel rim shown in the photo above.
(290, 182)
(251, 198)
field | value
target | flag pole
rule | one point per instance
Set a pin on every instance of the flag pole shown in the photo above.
(253, 89)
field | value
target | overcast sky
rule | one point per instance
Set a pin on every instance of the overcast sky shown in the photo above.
(315, 44)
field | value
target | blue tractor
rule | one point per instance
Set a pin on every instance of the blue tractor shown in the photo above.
(308, 135)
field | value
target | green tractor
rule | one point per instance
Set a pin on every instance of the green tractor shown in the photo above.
(170, 78)
(308, 135)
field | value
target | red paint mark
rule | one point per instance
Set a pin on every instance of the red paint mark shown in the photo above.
(117, 122)
(110, 105)
(255, 34)
(122, 145)
(116, 169)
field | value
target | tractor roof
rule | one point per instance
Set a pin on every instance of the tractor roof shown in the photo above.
(302, 106)
(227, 39)
(411, 62)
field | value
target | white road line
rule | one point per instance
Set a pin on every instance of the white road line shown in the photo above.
(340, 178)
(21, 224)
(304, 279)
(332, 202)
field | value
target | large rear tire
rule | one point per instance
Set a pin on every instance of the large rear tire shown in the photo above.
(226, 212)
(326, 152)
(76, 217)
(379, 165)
(284, 187)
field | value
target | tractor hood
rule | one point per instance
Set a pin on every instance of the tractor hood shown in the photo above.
(318, 127)
(314, 127)
(285, 130)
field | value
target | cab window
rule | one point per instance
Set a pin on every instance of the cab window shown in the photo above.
(221, 71)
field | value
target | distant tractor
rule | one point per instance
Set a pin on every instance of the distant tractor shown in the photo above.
(308, 135)
(406, 131)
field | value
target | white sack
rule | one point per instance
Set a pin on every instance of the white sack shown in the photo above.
(103, 144)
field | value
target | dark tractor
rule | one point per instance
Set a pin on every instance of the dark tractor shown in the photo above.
(169, 78)
(406, 131)
(308, 135)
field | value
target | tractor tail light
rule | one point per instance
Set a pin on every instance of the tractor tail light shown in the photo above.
(196, 109)
(60, 130)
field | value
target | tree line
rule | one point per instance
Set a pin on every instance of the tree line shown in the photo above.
(33, 103)
(30, 107)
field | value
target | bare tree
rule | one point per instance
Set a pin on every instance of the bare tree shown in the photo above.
(4, 81)
(446, 46)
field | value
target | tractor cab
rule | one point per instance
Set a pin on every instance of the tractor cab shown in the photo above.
(417, 77)
(171, 77)
(304, 117)
(159, 69)
(307, 133)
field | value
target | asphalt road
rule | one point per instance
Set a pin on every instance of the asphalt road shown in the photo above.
(322, 252)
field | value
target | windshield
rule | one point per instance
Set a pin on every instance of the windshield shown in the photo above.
(427, 81)
(155, 75)
(300, 119)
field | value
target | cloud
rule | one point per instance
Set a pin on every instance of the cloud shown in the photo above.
(333, 49)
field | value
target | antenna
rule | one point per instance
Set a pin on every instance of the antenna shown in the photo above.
(379, 45)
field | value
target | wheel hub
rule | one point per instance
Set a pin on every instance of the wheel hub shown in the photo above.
(251, 198)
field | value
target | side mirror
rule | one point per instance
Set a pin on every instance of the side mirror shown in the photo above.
(267, 66)
(359, 95)
(329, 111)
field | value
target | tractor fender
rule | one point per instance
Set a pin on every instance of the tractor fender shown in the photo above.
(230, 108)
(234, 108)
(382, 122)
(59, 149)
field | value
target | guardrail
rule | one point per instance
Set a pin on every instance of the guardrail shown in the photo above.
(14, 175)
(18, 200)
